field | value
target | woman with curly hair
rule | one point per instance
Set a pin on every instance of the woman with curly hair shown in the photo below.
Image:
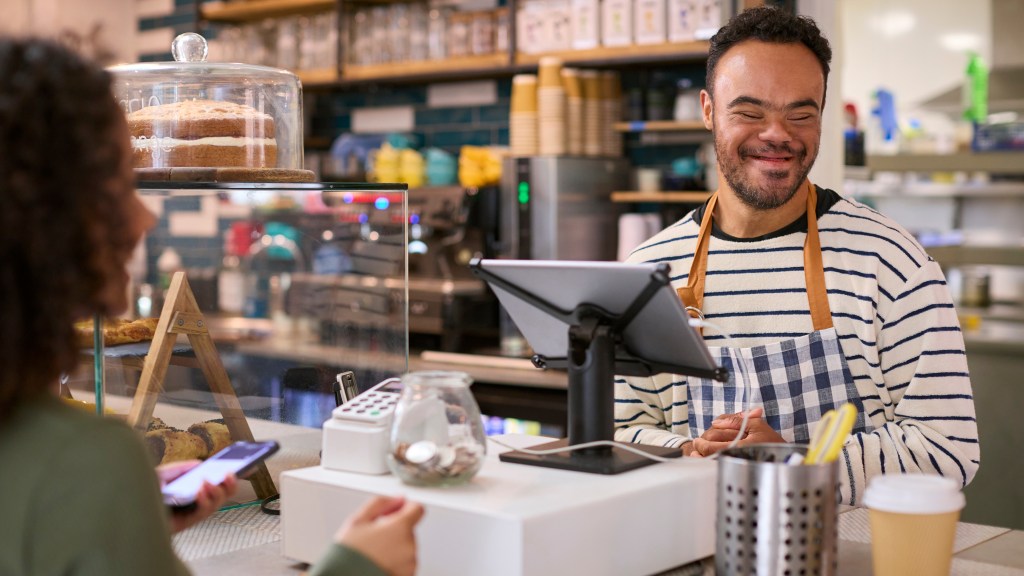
(80, 494)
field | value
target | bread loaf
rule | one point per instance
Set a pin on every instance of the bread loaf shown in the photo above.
(172, 445)
(214, 433)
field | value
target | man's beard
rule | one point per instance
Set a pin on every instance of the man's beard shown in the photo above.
(764, 196)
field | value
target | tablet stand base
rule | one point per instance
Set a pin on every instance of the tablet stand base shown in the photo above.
(600, 460)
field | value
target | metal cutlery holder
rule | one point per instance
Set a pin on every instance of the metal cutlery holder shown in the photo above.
(775, 518)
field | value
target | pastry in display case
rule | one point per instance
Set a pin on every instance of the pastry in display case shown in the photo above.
(310, 280)
(194, 120)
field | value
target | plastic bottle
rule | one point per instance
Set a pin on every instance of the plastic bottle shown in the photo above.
(976, 90)
(231, 278)
(883, 130)
(976, 94)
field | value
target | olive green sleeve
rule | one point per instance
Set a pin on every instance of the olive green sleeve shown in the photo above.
(340, 560)
(101, 511)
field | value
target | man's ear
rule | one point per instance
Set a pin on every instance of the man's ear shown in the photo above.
(707, 109)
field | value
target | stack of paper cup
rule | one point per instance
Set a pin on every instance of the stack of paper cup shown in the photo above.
(551, 106)
(593, 130)
(612, 112)
(573, 85)
(523, 135)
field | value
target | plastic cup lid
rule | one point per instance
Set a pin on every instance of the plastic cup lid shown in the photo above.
(913, 494)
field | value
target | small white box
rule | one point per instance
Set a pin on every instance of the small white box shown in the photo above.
(558, 26)
(682, 20)
(617, 23)
(586, 24)
(649, 22)
(355, 447)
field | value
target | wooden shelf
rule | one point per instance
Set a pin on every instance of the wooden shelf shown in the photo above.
(663, 197)
(949, 256)
(660, 126)
(623, 54)
(260, 9)
(321, 76)
(453, 67)
(993, 162)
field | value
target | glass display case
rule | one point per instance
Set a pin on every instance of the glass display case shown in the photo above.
(266, 293)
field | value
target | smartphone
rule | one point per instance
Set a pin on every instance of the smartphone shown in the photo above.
(238, 458)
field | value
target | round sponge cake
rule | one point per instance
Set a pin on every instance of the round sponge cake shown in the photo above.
(202, 133)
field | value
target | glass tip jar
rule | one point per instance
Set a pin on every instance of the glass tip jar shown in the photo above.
(437, 437)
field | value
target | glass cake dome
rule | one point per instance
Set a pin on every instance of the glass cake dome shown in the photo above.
(198, 120)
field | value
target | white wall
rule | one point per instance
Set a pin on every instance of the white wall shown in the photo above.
(53, 18)
(16, 16)
(915, 48)
(828, 169)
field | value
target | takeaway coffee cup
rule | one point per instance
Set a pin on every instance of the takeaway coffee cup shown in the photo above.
(913, 523)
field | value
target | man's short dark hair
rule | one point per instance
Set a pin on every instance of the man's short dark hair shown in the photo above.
(773, 25)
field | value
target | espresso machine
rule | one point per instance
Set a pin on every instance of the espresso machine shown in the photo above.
(560, 208)
(448, 229)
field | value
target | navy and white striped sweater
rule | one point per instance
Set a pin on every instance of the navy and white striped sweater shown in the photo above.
(896, 325)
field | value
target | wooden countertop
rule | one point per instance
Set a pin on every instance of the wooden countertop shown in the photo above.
(489, 369)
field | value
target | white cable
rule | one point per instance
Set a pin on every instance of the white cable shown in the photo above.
(741, 361)
(594, 444)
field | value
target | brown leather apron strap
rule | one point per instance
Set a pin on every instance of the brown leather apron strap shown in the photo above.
(814, 270)
(692, 294)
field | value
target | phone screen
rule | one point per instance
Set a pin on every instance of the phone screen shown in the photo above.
(231, 460)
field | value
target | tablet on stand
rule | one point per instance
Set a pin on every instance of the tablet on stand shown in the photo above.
(598, 319)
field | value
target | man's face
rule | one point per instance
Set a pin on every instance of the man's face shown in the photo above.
(766, 117)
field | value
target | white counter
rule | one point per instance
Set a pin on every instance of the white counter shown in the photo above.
(514, 520)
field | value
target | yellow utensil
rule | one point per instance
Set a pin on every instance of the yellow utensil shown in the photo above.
(830, 434)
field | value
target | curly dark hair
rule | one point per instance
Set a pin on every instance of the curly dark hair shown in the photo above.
(62, 195)
(768, 24)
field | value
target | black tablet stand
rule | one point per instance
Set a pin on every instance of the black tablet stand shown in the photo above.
(596, 353)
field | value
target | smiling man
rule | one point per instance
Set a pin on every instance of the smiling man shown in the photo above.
(812, 299)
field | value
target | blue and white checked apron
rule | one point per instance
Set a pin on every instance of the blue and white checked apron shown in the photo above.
(796, 381)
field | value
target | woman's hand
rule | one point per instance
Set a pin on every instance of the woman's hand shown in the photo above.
(209, 499)
(382, 530)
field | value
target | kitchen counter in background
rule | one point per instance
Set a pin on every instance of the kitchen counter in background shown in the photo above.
(995, 349)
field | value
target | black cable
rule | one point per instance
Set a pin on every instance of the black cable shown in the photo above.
(265, 505)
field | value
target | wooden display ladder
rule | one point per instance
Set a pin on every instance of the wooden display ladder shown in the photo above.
(181, 315)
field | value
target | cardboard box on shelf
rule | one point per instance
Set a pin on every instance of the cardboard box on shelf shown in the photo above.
(558, 25)
(682, 20)
(649, 22)
(530, 28)
(586, 24)
(617, 23)
(710, 16)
